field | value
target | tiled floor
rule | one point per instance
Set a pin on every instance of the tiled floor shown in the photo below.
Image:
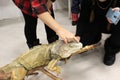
(87, 66)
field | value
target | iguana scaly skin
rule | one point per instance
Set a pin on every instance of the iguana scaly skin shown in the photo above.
(43, 55)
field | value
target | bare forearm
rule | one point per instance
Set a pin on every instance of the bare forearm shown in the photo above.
(48, 20)
(60, 31)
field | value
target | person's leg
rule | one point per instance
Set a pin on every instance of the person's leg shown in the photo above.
(30, 30)
(112, 46)
(51, 35)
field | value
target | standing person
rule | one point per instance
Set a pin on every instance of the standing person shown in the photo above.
(92, 22)
(75, 11)
(42, 9)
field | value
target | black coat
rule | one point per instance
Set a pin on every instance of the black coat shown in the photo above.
(90, 31)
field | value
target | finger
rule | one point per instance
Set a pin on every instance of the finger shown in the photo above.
(116, 9)
(76, 39)
(70, 40)
(65, 40)
(109, 20)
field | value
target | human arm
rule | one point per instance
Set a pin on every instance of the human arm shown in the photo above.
(40, 8)
(60, 31)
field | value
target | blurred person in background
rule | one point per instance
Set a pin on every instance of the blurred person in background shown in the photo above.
(75, 11)
(93, 21)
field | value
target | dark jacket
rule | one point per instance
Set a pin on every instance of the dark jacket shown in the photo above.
(75, 9)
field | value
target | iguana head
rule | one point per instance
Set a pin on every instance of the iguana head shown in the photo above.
(65, 50)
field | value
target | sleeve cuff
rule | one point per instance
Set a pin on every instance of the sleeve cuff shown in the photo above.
(39, 9)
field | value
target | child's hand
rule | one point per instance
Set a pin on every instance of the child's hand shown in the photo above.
(67, 36)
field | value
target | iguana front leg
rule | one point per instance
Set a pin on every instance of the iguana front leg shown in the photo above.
(49, 74)
(41, 68)
(52, 66)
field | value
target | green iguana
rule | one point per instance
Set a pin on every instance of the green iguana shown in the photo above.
(45, 55)
(42, 55)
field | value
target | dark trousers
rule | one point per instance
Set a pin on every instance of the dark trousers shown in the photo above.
(31, 26)
(92, 34)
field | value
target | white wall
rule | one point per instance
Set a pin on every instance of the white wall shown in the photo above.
(9, 10)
